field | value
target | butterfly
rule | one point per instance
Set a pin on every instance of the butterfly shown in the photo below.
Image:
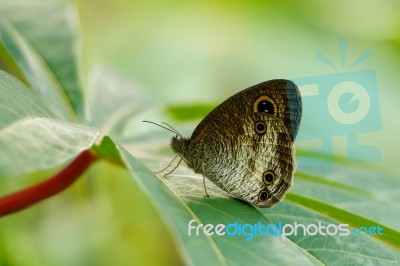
(245, 145)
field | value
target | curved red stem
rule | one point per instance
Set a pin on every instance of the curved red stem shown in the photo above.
(24, 198)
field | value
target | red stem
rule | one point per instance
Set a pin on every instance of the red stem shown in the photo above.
(24, 198)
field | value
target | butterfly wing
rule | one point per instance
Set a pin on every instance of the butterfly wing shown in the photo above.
(245, 145)
(253, 160)
(280, 98)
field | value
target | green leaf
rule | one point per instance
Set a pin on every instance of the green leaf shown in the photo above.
(187, 189)
(331, 250)
(107, 149)
(392, 236)
(31, 138)
(189, 112)
(363, 191)
(181, 206)
(41, 40)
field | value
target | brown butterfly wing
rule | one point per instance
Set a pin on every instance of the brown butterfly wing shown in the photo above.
(282, 95)
(236, 154)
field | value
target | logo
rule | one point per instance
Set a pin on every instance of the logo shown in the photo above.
(249, 231)
(341, 104)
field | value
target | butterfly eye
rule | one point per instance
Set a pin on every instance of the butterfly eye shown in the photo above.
(263, 195)
(260, 127)
(264, 104)
(268, 177)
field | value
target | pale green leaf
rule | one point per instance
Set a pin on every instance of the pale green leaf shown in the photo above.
(31, 138)
(43, 41)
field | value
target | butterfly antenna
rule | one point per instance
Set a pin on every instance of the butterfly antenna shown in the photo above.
(176, 131)
(171, 129)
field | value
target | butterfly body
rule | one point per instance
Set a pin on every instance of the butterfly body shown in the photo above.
(245, 145)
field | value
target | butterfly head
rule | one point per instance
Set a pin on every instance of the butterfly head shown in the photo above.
(179, 144)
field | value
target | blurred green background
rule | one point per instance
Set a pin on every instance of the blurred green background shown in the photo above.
(204, 51)
(190, 52)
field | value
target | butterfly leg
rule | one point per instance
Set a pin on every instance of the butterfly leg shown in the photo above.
(165, 168)
(176, 166)
(204, 182)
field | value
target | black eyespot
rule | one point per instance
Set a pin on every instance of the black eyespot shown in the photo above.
(260, 127)
(263, 195)
(265, 104)
(266, 107)
(268, 177)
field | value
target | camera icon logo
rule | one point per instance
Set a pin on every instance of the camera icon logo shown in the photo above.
(348, 102)
(342, 104)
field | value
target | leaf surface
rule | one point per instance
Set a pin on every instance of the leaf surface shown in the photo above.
(31, 137)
